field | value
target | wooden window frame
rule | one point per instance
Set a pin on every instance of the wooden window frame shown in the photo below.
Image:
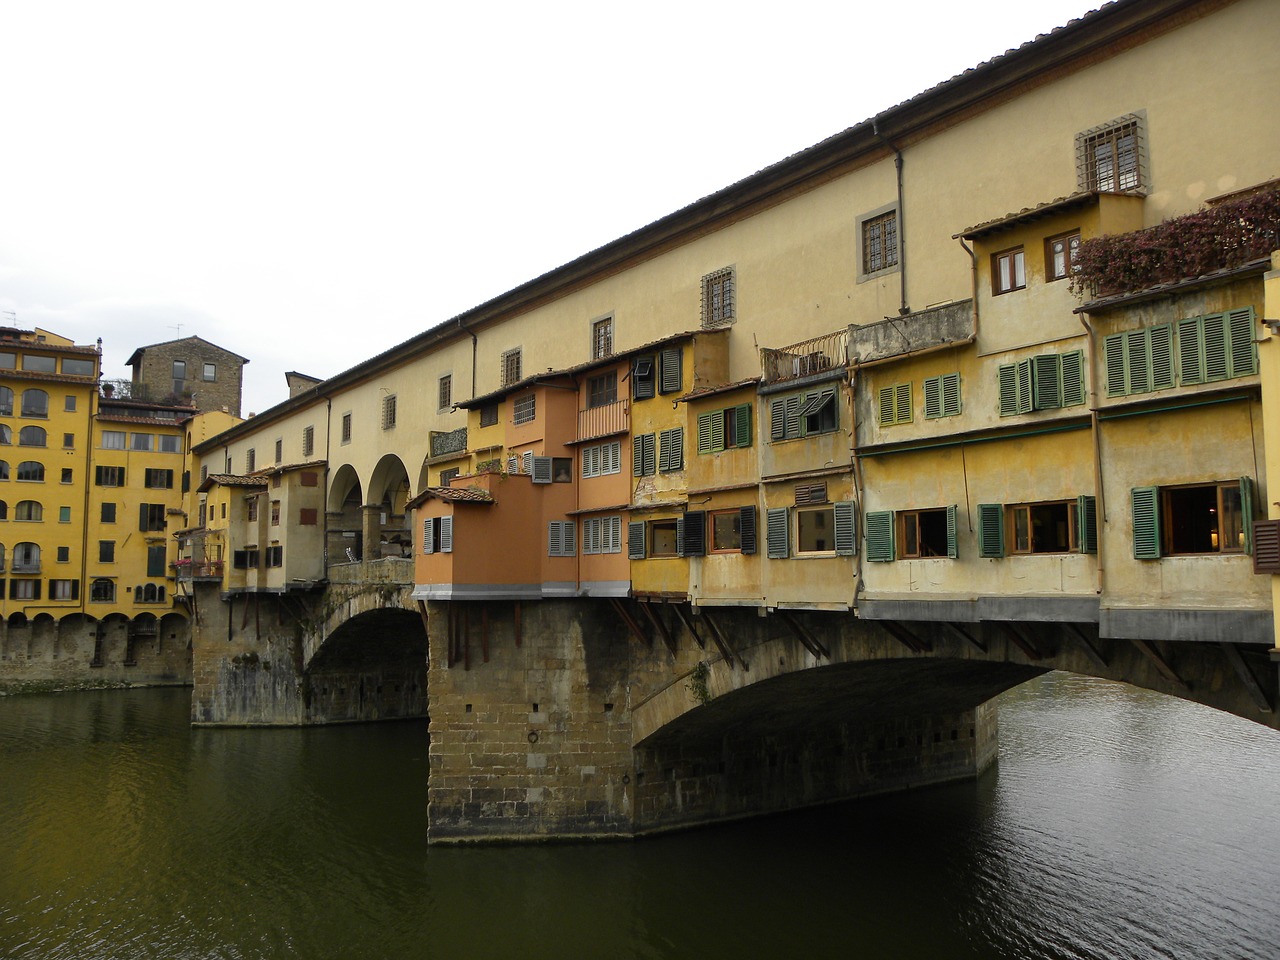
(602, 338)
(1014, 511)
(718, 301)
(908, 532)
(661, 525)
(713, 545)
(602, 390)
(524, 409)
(511, 366)
(1017, 260)
(880, 239)
(1070, 241)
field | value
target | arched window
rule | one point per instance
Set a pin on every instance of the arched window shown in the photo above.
(6, 402)
(4, 469)
(6, 434)
(28, 510)
(1, 557)
(4, 510)
(31, 436)
(27, 470)
(102, 589)
(35, 403)
(26, 558)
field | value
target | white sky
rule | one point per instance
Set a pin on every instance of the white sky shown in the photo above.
(308, 184)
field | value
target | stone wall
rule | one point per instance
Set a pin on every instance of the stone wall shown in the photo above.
(79, 652)
(155, 373)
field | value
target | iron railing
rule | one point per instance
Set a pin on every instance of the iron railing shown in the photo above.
(828, 352)
(452, 441)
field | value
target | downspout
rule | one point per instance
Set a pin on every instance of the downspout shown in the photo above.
(1097, 449)
(328, 447)
(474, 348)
(903, 309)
(973, 273)
(858, 486)
(88, 487)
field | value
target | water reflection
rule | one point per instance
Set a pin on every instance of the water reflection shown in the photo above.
(1119, 823)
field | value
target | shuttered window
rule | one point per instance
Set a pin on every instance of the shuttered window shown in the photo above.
(671, 450)
(777, 533)
(895, 404)
(670, 370)
(879, 532)
(1195, 350)
(643, 461)
(636, 540)
(561, 538)
(602, 535)
(846, 523)
(1043, 382)
(643, 381)
(803, 415)
(691, 534)
(1193, 519)
(942, 396)
(726, 429)
(991, 530)
(437, 535)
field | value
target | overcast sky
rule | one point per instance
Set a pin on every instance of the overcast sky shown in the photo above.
(308, 184)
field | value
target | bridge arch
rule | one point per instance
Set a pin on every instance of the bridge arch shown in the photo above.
(368, 666)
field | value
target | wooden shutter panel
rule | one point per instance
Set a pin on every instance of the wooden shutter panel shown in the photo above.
(887, 407)
(777, 420)
(1025, 380)
(1008, 390)
(541, 469)
(642, 378)
(1046, 381)
(1266, 546)
(793, 416)
(569, 537)
(1243, 350)
(704, 431)
(692, 534)
(1160, 341)
(75, 589)
(637, 456)
(878, 525)
(953, 549)
(1214, 328)
(777, 533)
(1190, 354)
(991, 530)
(1072, 378)
(901, 402)
(426, 536)
(932, 397)
(446, 534)
(1246, 511)
(748, 536)
(635, 540)
(670, 375)
(554, 543)
(1117, 382)
(1145, 502)
(671, 457)
(1135, 351)
(742, 426)
(1087, 523)
(142, 517)
(950, 394)
(846, 519)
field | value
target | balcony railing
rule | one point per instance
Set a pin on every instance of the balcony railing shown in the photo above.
(452, 441)
(803, 359)
(604, 420)
(190, 570)
(29, 567)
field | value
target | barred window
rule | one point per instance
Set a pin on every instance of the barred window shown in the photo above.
(488, 415)
(602, 338)
(717, 298)
(511, 367)
(388, 412)
(308, 441)
(880, 242)
(346, 428)
(1111, 158)
(446, 392)
(524, 409)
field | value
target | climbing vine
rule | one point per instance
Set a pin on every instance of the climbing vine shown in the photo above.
(697, 683)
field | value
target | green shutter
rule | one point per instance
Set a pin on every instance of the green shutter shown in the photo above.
(991, 530)
(1243, 349)
(1135, 351)
(1008, 389)
(778, 420)
(155, 561)
(670, 371)
(878, 526)
(846, 517)
(747, 529)
(793, 416)
(717, 431)
(1117, 382)
(704, 433)
(1072, 378)
(742, 425)
(1145, 503)
(902, 402)
(1246, 511)
(887, 408)
(953, 549)
(777, 533)
(932, 397)
(950, 394)
(637, 456)
(635, 540)
(1025, 401)
(1087, 523)
(1190, 354)
(1047, 381)
(1214, 330)
(1160, 342)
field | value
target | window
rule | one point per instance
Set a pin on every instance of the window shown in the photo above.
(1111, 158)
(155, 479)
(68, 441)
(1194, 519)
(1008, 271)
(815, 530)
(64, 589)
(308, 441)
(643, 383)
(69, 403)
(488, 415)
(39, 364)
(879, 243)
(915, 534)
(524, 409)
(671, 450)
(108, 476)
(643, 455)
(662, 538)
(6, 402)
(1060, 256)
(561, 538)
(602, 390)
(942, 396)
(389, 412)
(142, 441)
(30, 470)
(113, 439)
(179, 370)
(35, 403)
(1206, 349)
(24, 589)
(156, 561)
(670, 370)
(32, 437)
(251, 509)
(8, 361)
(437, 535)
(726, 429)
(562, 470)
(250, 460)
(6, 434)
(210, 372)
(827, 530)
(75, 367)
(602, 339)
(510, 367)
(102, 590)
(108, 513)
(275, 556)
(106, 551)
(4, 469)
(151, 516)
(602, 459)
(1061, 526)
(245, 559)
(445, 392)
(64, 514)
(602, 535)
(733, 531)
(803, 414)
(346, 428)
(275, 513)
(1043, 382)
(279, 451)
(28, 510)
(895, 404)
(66, 475)
(64, 556)
(717, 298)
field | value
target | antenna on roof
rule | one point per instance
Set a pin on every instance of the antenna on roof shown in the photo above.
(11, 317)
(178, 327)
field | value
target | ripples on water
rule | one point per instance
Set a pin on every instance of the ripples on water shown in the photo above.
(1119, 824)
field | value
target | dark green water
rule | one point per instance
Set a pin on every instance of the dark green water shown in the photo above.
(1118, 824)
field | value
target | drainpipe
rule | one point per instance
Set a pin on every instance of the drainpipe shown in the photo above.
(88, 488)
(973, 273)
(474, 347)
(858, 486)
(1097, 447)
(324, 497)
(902, 216)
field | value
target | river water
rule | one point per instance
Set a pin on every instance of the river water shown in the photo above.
(1118, 824)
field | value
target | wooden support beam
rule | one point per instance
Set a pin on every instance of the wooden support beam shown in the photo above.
(902, 635)
(466, 637)
(1022, 643)
(484, 632)
(625, 615)
(722, 643)
(687, 620)
(669, 640)
(1251, 685)
(965, 635)
(515, 614)
(422, 612)
(451, 631)
(811, 643)
(1162, 666)
(1086, 644)
(244, 616)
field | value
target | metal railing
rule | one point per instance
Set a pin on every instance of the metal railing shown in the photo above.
(828, 352)
(452, 441)
(606, 419)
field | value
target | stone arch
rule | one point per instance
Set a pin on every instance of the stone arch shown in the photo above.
(389, 491)
(42, 640)
(372, 666)
(76, 634)
(345, 519)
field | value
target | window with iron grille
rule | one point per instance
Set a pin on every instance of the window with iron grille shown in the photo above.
(308, 441)
(250, 460)
(388, 412)
(1112, 158)
(524, 409)
(275, 513)
(717, 298)
(879, 242)
(602, 338)
(511, 367)
(488, 415)
(346, 428)
(279, 450)
(445, 398)
(603, 389)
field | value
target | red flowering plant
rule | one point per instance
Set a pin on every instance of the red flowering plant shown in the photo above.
(1216, 238)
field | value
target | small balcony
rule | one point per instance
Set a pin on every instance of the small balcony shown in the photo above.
(804, 359)
(27, 567)
(604, 420)
(198, 569)
(448, 442)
